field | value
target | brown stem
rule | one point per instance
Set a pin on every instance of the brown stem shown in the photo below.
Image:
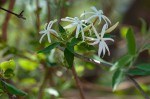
(138, 87)
(6, 20)
(48, 11)
(40, 94)
(78, 82)
(108, 65)
(37, 16)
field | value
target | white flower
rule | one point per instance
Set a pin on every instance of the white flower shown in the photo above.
(47, 31)
(75, 22)
(97, 13)
(101, 41)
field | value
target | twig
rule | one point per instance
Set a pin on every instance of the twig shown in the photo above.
(108, 65)
(42, 86)
(88, 59)
(138, 87)
(20, 15)
(78, 82)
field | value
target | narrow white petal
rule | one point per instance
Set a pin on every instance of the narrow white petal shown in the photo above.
(94, 43)
(104, 17)
(103, 30)
(49, 25)
(94, 9)
(68, 20)
(70, 26)
(77, 30)
(110, 39)
(94, 29)
(53, 31)
(103, 47)
(93, 16)
(86, 13)
(49, 39)
(41, 38)
(43, 32)
(90, 38)
(45, 26)
(107, 48)
(100, 49)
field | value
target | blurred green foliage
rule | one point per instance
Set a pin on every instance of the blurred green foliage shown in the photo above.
(30, 69)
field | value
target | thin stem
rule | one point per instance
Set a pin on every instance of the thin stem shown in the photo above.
(42, 86)
(138, 87)
(88, 59)
(78, 82)
(108, 65)
(20, 15)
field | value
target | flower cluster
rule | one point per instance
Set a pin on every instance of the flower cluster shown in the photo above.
(83, 25)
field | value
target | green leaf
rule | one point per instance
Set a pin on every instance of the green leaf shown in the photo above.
(69, 56)
(144, 66)
(74, 41)
(122, 62)
(84, 46)
(8, 65)
(12, 89)
(138, 72)
(27, 65)
(49, 48)
(143, 28)
(112, 28)
(8, 73)
(61, 29)
(131, 45)
(118, 76)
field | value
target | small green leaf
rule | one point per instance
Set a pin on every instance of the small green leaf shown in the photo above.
(118, 76)
(131, 42)
(122, 62)
(138, 72)
(8, 65)
(84, 46)
(8, 73)
(112, 28)
(143, 28)
(69, 56)
(74, 41)
(12, 89)
(49, 48)
(61, 29)
(144, 66)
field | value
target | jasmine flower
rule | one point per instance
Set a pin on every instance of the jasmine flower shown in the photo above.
(47, 31)
(100, 40)
(77, 23)
(96, 13)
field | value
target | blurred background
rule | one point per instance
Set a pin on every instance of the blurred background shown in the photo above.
(45, 74)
